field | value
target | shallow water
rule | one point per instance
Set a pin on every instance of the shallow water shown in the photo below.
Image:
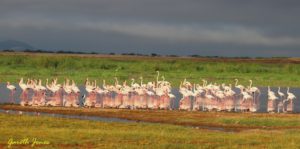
(4, 96)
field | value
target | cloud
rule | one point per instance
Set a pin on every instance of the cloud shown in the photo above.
(200, 34)
(169, 26)
(184, 33)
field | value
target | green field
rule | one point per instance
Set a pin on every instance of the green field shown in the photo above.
(71, 133)
(274, 72)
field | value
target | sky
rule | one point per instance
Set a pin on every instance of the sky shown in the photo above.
(170, 27)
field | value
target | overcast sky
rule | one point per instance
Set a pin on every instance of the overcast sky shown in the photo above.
(181, 27)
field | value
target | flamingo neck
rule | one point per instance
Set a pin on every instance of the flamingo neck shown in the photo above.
(117, 81)
(194, 87)
(157, 77)
(103, 83)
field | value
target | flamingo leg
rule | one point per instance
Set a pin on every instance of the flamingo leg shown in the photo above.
(14, 96)
(10, 96)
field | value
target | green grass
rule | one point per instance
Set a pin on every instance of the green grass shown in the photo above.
(14, 66)
(67, 133)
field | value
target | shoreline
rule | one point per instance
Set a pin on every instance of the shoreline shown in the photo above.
(181, 118)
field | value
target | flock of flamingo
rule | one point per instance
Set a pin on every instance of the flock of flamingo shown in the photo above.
(152, 95)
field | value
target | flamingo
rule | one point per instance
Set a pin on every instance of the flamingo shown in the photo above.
(124, 95)
(253, 90)
(238, 86)
(157, 77)
(290, 96)
(281, 103)
(133, 84)
(68, 90)
(22, 85)
(172, 98)
(281, 94)
(196, 96)
(56, 90)
(72, 94)
(90, 99)
(12, 89)
(38, 98)
(230, 96)
(245, 100)
(24, 95)
(151, 97)
(142, 85)
(118, 97)
(185, 101)
(271, 100)
(90, 88)
(209, 100)
(143, 94)
(289, 100)
(42, 91)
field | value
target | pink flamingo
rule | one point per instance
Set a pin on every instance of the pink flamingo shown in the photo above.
(91, 98)
(185, 102)
(124, 95)
(246, 101)
(290, 101)
(119, 96)
(271, 100)
(142, 93)
(24, 94)
(56, 90)
(135, 103)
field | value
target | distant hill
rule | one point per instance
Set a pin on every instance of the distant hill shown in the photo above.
(15, 45)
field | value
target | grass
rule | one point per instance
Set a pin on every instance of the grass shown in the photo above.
(227, 121)
(67, 133)
(274, 72)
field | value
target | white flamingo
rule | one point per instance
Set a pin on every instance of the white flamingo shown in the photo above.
(290, 96)
(12, 89)
(281, 94)
(238, 85)
(281, 103)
